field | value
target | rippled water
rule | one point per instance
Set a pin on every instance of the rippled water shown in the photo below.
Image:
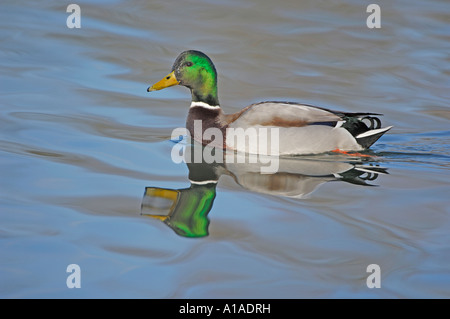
(85, 152)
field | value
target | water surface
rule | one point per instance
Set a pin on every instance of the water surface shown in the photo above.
(82, 143)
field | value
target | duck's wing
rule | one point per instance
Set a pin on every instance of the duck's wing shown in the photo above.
(283, 114)
(307, 129)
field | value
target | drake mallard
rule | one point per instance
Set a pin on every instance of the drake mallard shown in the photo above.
(302, 128)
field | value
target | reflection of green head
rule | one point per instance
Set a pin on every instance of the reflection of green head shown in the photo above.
(189, 208)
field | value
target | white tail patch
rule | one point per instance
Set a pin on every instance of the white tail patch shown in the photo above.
(373, 132)
(339, 124)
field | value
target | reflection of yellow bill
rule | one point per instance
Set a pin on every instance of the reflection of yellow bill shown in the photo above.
(161, 192)
(169, 194)
(169, 80)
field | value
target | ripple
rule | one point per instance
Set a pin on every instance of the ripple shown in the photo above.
(83, 161)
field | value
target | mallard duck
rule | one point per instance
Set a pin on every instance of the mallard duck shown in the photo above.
(301, 128)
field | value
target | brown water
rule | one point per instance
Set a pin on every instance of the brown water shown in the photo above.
(81, 141)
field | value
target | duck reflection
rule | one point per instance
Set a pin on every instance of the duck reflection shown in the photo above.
(186, 210)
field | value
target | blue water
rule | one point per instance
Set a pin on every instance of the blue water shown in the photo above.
(81, 140)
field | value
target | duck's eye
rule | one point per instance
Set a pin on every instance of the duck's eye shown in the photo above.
(189, 63)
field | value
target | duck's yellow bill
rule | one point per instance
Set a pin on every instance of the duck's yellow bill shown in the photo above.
(169, 80)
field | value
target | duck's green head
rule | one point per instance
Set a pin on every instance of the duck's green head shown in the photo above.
(196, 71)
